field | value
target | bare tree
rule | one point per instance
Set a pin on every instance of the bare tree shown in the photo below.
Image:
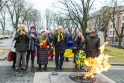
(102, 19)
(2, 21)
(36, 18)
(3, 4)
(30, 16)
(15, 9)
(49, 18)
(120, 33)
(78, 12)
(26, 16)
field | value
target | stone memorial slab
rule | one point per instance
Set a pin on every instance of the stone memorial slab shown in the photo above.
(63, 77)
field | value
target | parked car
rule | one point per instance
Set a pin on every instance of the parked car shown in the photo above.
(7, 36)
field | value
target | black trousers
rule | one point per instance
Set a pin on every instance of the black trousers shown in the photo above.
(32, 53)
(14, 58)
(59, 62)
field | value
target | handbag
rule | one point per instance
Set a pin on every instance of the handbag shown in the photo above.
(9, 58)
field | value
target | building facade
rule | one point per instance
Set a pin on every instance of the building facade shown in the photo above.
(110, 32)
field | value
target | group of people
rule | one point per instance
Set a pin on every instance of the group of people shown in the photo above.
(32, 43)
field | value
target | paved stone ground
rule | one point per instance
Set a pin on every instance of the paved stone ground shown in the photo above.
(8, 75)
(4, 50)
(5, 43)
(116, 73)
(63, 77)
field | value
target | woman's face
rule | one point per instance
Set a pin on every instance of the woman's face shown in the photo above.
(42, 33)
(33, 30)
(79, 34)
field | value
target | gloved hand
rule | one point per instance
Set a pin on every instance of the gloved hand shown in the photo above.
(32, 35)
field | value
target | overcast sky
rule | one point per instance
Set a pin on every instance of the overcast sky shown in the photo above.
(44, 4)
(41, 5)
(48, 4)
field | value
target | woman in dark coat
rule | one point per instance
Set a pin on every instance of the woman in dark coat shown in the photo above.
(32, 49)
(42, 58)
(78, 43)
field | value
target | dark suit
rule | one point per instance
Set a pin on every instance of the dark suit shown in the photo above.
(59, 50)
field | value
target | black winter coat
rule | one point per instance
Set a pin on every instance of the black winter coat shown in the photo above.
(59, 46)
(79, 44)
(22, 43)
(92, 46)
(42, 57)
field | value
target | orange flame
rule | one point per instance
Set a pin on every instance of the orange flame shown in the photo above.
(98, 64)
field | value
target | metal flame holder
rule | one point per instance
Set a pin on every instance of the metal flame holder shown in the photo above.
(79, 78)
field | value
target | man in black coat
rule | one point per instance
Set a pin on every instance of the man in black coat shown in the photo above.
(92, 45)
(59, 43)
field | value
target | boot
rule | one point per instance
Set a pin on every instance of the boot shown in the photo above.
(45, 68)
(39, 67)
(26, 65)
(13, 66)
(32, 63)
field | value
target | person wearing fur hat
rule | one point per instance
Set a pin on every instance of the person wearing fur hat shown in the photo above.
(32, 48)
(21, 45)
(59, 43)
(42, 58)
(92, 44)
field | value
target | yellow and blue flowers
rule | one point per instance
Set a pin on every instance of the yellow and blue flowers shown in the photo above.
(80, 59)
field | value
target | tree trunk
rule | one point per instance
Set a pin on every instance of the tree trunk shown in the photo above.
(16, 23)
(3, 32)
(3, 28)
(120, 40)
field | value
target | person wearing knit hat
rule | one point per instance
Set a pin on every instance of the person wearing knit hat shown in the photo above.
(21, 45)
(32, 48)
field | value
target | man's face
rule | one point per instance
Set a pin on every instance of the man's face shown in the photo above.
(33, 30)
(66, 31)
(60, 30)
(92, 34)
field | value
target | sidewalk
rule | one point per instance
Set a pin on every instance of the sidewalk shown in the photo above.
(117, 64)
(4, 52)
